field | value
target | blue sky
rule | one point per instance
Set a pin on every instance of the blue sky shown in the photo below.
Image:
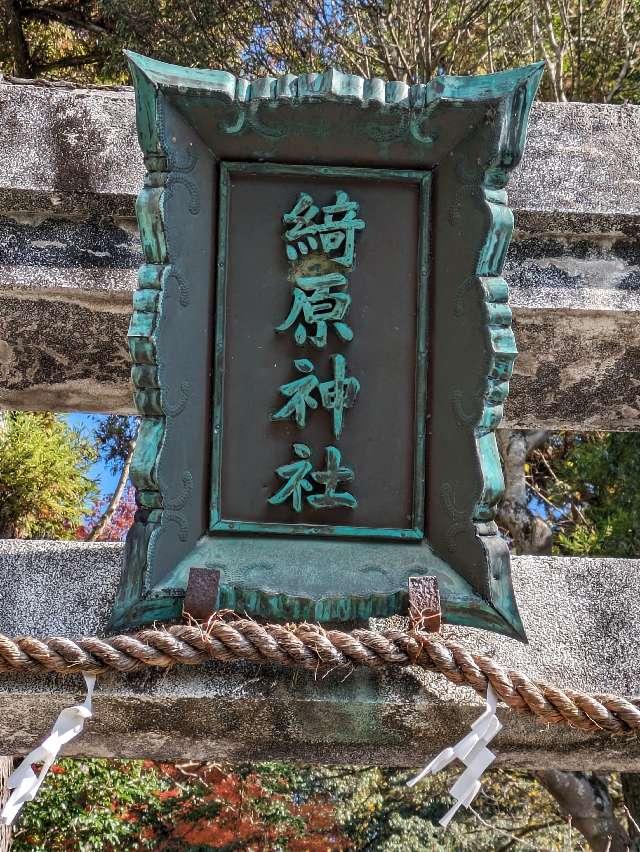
(87, 423)
(106, 480)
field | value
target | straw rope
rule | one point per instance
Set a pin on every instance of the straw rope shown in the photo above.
(313, 648)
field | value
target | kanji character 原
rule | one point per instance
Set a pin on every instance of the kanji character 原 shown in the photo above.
(318, 300)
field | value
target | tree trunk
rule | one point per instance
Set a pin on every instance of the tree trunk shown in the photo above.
(530, 533)
(631, 791)
(100, 527)
(585, 798)
(8, 530)
(22, 65)
(6, 767)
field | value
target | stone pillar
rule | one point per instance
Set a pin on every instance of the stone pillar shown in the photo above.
(6, 765)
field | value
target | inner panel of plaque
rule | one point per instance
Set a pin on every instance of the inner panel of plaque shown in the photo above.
(380, 342)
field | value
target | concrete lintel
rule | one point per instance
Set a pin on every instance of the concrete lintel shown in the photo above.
(65, 350)
(68, 149)
(581, 616)
(70, 168)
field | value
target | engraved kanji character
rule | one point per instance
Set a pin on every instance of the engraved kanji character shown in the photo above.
(295, 476)
(299, 393)
(336, 231)
(336, 394)
(317, 300)
(330, 479)
(339, 393)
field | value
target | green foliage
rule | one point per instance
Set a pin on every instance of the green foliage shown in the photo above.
(93, 805)
(592, 50)
(377, 811)
(44, 484)
(114, 436)
(100, 805)
(598, 478)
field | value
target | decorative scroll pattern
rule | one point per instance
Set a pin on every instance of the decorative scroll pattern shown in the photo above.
(158, 504)
(424, 125)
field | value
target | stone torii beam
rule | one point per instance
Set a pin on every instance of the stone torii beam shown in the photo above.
(69, 171)
(581, 617)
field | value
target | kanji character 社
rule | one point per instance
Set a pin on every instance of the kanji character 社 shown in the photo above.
(330, 479)
(295, 479)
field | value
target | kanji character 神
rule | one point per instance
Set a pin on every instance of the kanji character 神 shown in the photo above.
(340, 393)
(336, 395)
(299, 392)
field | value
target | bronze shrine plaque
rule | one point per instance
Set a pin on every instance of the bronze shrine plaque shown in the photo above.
(321, 344)
(320, 361)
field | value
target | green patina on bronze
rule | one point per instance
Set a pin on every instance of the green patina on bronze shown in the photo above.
(329, 133)
(313, 397)
(335, 395)
(297, 478)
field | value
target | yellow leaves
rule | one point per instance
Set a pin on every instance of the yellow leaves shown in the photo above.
(43, 473)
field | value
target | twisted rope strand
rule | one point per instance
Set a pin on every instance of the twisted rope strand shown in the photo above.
(311, 647)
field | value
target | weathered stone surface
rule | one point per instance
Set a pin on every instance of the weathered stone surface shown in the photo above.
(581, 159)
(70, 168)
(579, 172)
(60, 351)
(577, 368)
(68, 150)
(45, 253)
(571, 272)
(581, 617)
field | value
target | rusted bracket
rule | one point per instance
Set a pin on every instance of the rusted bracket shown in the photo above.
(425, 612)
(201, 596)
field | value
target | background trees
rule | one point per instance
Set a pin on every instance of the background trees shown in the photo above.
(591, 48)
(573, 494)
(44, 483)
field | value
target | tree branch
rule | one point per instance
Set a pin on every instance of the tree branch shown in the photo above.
(63, 16)
(585, 799)
(631, 792)
(6, 767)
(109, 512)
(530, 533)
(68, 62)
(22, 64)
(536, 439)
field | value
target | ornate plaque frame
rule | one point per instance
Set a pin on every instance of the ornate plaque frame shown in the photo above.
(462, 136)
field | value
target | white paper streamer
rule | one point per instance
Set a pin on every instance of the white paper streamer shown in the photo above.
(23, 780)
(473, 752)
